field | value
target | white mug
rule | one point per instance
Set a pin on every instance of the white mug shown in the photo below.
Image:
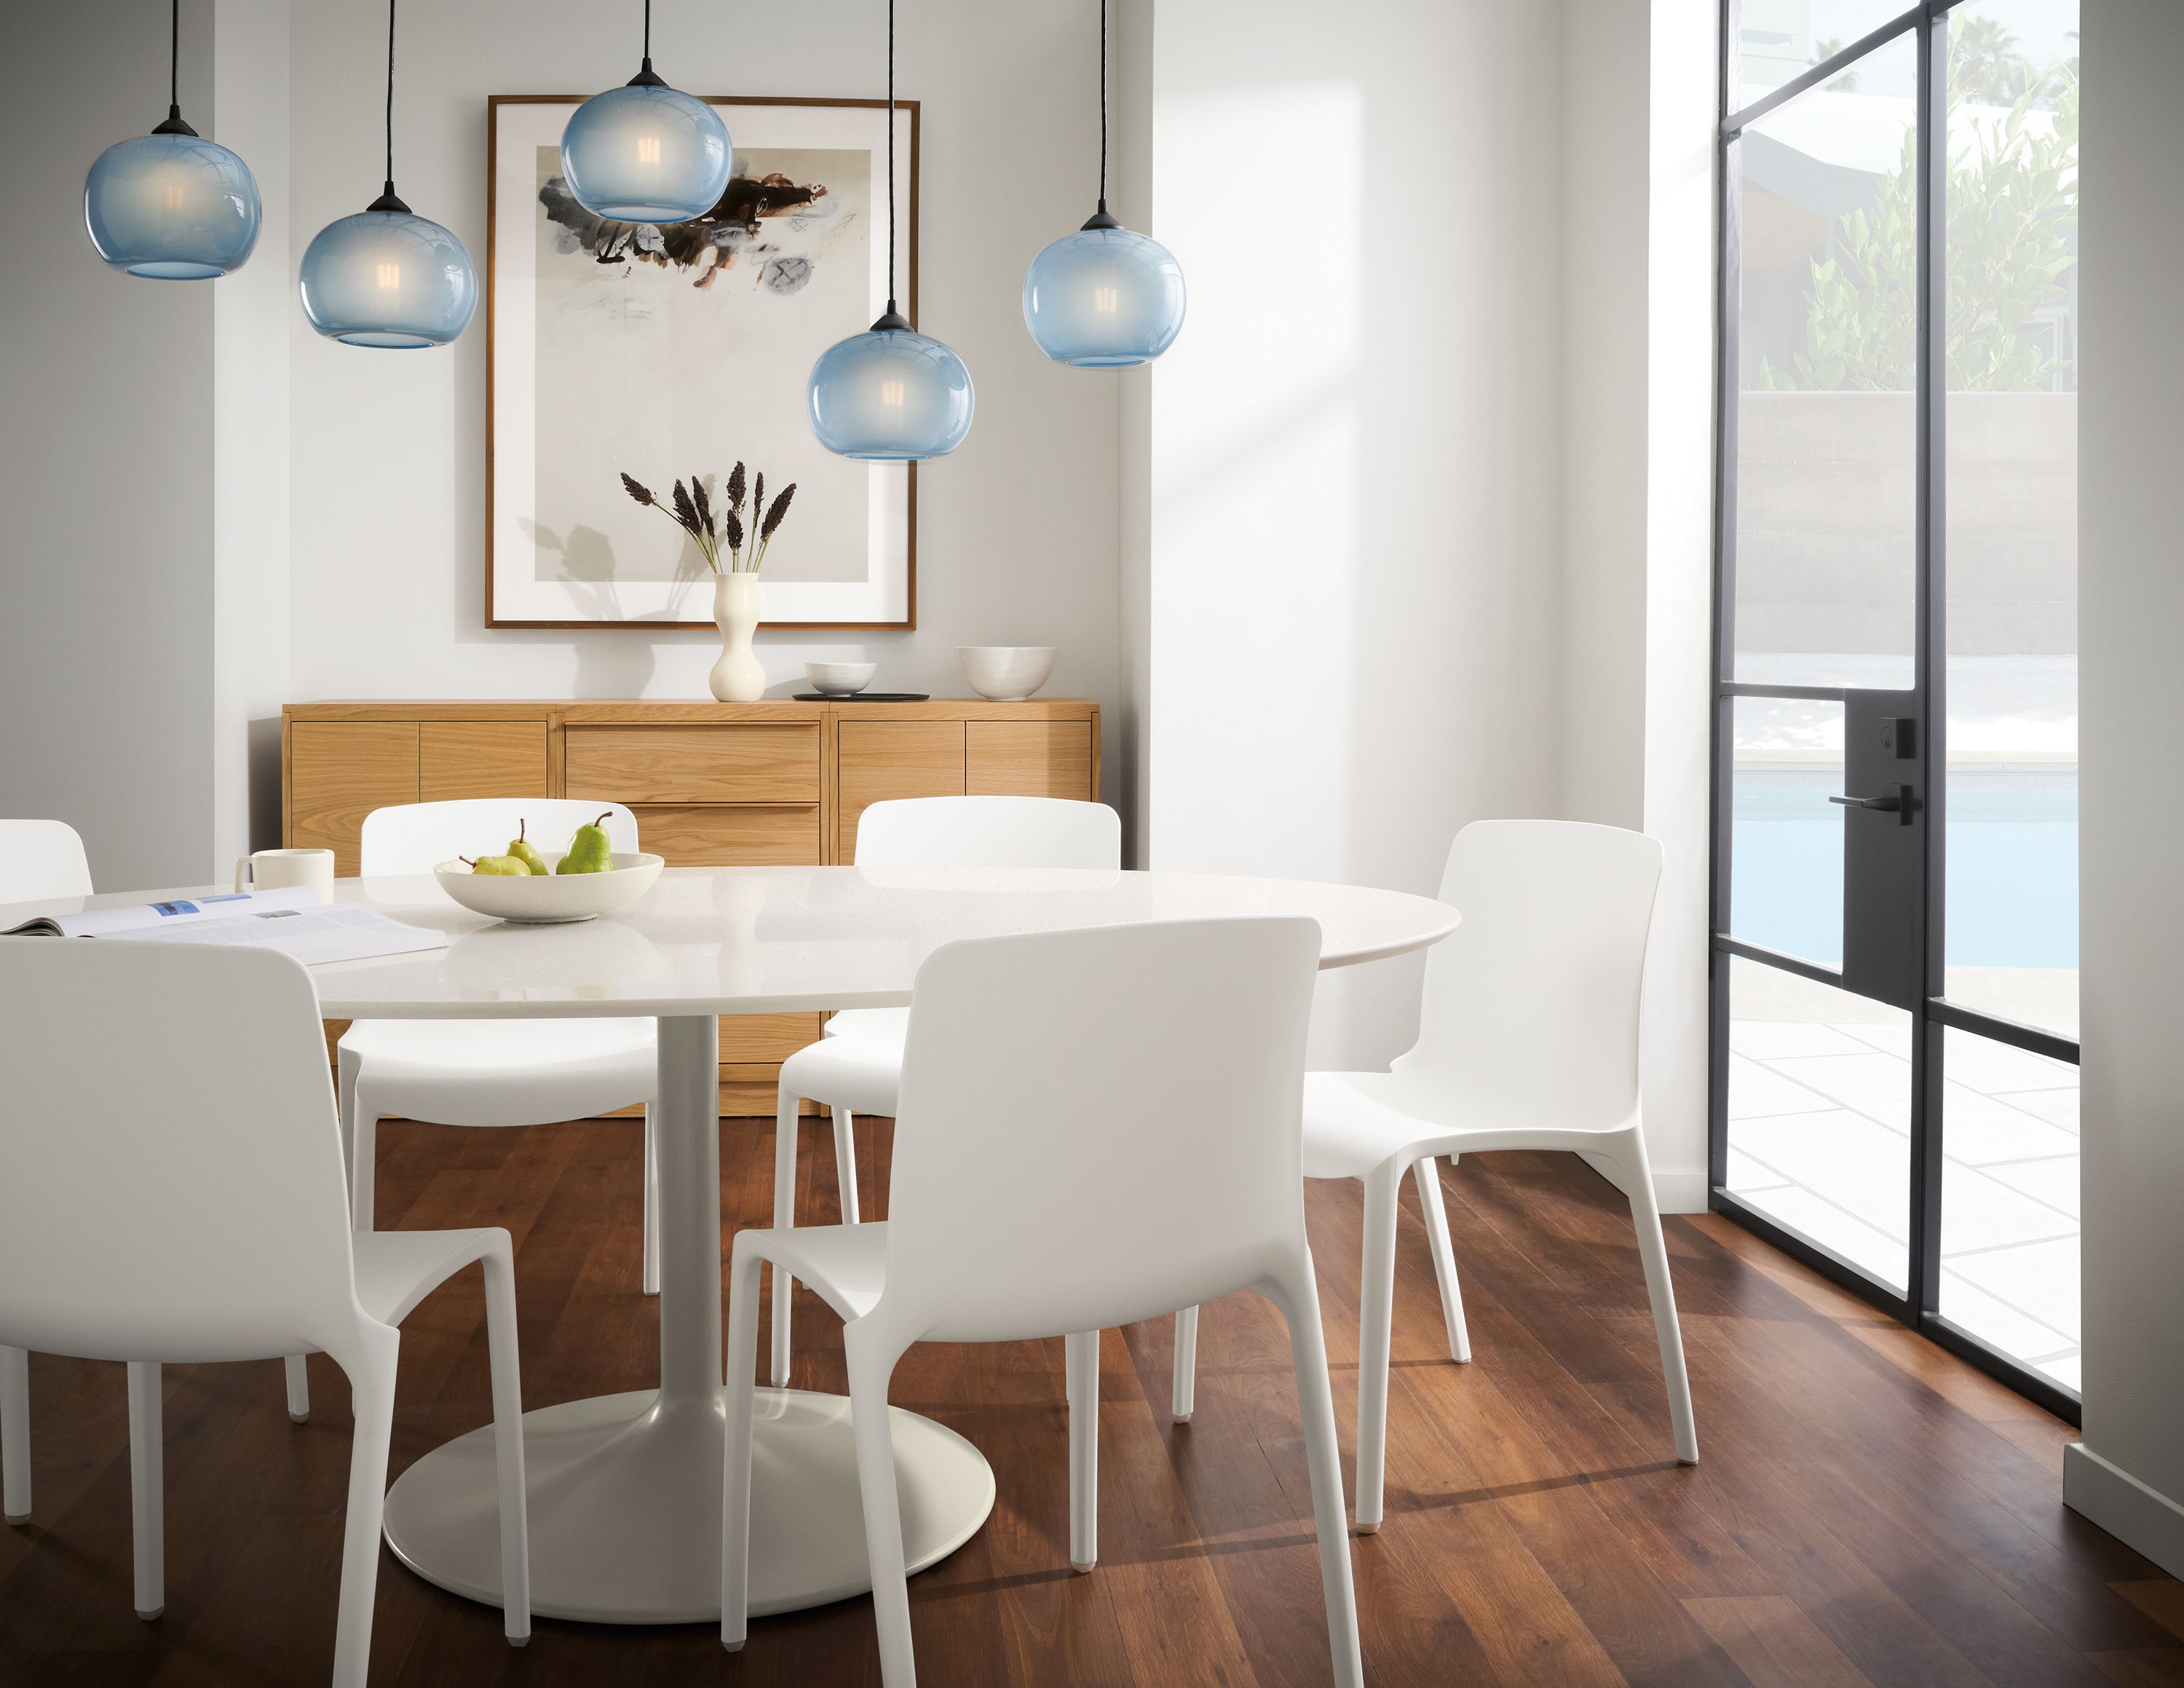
(271, 869)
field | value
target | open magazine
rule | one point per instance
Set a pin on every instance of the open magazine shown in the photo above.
(291, 919)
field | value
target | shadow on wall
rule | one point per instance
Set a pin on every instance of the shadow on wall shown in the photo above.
(1355, 569)
(264, 757)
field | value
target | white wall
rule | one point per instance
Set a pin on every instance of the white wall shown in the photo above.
(1354, 547)
(106, 449)
(1637, 146)
(1605, 299)
(1017, 530)
(2129, 1474)
(251, 331)
(1679, 584)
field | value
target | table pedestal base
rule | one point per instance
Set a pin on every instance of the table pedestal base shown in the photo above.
(625, 1507)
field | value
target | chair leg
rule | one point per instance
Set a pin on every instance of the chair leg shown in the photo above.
(363, 1166)
(1427, 1173)
(1183, 1379)
(299, 1389)
(736, 1460)
(508, 1442)
(784, 1216)
(845, 1162)
(1375, 1315)
(1298, 1301)
(870, 1364)
(1082, 1363)
(370, 1368)
(15, 1435)
(651, 1205)
(148, 1510)
(347, 1065)
(1653, 1252)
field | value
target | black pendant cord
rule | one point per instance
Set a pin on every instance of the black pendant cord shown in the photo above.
(1099, 219)
(891, 319)
(174, 124)
(388, 201)
(646, 77)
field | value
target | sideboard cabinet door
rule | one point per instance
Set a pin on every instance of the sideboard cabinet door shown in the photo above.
(880, 761)
(1029, 759)
(338, 772)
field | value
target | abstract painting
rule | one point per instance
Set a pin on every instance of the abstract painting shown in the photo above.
(674, 352)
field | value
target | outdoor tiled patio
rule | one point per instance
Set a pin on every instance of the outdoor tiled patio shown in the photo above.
(1819, 1116)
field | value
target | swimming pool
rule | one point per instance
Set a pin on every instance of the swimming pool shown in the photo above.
(2012, 863)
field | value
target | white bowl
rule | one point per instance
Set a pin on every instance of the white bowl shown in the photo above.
(1007, 673)
(547, 899)
(840, 679)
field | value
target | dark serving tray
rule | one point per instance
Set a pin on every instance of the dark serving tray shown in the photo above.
(862, 697)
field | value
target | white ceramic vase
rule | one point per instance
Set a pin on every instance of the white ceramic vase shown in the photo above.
(738, 677)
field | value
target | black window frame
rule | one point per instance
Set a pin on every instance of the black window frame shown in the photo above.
(1918, 1305)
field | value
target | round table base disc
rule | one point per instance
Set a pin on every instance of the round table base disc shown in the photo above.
(626, 1508)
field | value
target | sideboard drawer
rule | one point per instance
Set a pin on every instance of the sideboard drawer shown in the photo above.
(717, 835)
(694, 764)
(457, 759)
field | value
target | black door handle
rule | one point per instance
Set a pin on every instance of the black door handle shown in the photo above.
(1898, 803)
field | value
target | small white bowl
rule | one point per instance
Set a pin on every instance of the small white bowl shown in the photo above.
(1006, 673)
(840, 679)
(550, 899)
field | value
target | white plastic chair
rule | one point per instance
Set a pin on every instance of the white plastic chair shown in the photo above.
(1159, 1167)
(171, 1188)
(855, 1066)
(1528, 1038)
(490, 1072)
(38, 859)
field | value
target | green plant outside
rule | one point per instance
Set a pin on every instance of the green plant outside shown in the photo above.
(2012, 208)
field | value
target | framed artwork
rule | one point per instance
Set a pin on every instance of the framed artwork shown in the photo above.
(667, 353)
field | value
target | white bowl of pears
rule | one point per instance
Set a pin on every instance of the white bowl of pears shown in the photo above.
(534, 887)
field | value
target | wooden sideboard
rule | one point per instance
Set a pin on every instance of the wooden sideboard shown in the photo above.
(711, 784)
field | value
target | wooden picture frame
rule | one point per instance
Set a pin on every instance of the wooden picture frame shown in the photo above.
(885, 600)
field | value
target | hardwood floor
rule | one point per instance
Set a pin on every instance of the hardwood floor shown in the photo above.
(1869, 1511)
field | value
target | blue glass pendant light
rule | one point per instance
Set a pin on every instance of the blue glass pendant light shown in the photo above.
(890, 394)
(388, 277)
(644, 153)
(1103, 297)
(171, 205)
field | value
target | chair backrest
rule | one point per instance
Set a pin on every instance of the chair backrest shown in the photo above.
(170, 1167)
(988, 832)
(41, 859)
(1531, 1010)
(415, 838)
(1097, 1126)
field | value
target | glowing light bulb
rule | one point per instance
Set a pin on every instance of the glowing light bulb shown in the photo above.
(390, 277)
(1104, 299)
(891, 393)
(647, 149)
(174, 196)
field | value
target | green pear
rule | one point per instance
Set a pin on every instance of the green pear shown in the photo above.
(589, 851)
(526, 852)
(501, 866)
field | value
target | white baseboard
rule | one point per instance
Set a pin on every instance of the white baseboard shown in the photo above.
(1677, 1191)
(2138, 1517)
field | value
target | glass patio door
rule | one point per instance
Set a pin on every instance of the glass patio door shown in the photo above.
(1894, 983)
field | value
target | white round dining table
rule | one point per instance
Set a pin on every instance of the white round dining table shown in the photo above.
(625, 1489)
